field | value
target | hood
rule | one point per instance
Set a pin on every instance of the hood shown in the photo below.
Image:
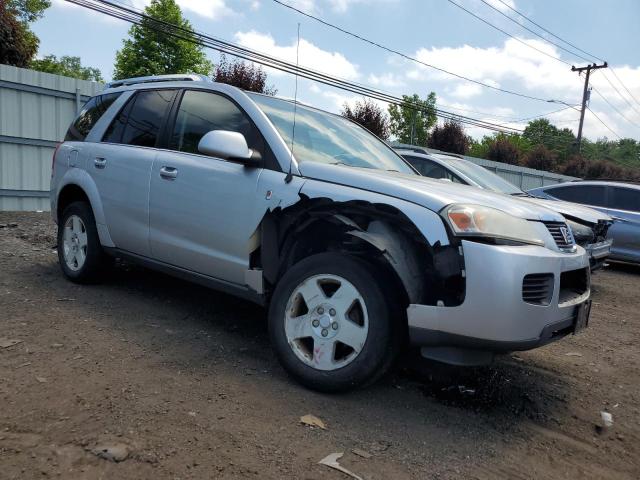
(432, 194)
(568, 209)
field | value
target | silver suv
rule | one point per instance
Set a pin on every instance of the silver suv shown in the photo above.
(355, 254)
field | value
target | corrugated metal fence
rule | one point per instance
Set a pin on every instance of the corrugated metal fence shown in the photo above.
(525, 178)
(35, 111)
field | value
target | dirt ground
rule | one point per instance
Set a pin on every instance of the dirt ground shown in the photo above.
(178, 381)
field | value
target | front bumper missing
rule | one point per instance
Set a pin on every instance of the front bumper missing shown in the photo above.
(493, 316)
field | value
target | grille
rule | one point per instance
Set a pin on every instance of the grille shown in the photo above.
(537, 288)
(561, 234)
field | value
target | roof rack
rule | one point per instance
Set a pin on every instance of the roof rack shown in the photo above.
(158, 78)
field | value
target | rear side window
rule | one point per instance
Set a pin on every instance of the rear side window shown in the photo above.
(200, 112)
(587, 194)
(89, 115)
(139, 122)
(624, 199)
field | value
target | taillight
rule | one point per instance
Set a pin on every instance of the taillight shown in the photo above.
(53, 160)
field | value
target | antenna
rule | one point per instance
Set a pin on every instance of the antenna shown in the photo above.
(289, 176)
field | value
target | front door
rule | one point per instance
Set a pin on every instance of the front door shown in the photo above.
(203, 209)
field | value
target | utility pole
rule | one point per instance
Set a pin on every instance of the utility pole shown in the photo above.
(585, 93)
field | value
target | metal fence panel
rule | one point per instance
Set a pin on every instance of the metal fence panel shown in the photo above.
(35, 111)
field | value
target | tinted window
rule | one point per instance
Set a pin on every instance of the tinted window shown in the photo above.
(587, 194)
(140, 121)
(89, 115)
(430, 169)
(200, 112)
(624, 199)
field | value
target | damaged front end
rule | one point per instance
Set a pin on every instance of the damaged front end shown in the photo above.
(593, 238)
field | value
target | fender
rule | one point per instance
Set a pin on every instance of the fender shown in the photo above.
(429, 223)
(79, 177)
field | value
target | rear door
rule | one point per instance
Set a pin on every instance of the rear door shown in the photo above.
(121, 167)
(203, 208)
(624, 207)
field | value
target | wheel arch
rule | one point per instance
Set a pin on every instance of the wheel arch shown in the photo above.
(418, 269)
(77, 185)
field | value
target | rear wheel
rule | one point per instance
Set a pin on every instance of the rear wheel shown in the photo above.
(331, 324)
(79, 251)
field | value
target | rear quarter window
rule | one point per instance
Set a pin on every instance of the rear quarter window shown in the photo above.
(89, 115)
(625, 199)
(587, 194)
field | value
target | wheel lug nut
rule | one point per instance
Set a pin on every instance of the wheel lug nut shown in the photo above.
(316, 322)
(334, 325)
(320, 310)
(325, 332)
(332, 312)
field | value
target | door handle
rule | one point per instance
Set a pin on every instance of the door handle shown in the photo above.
(100, 162)
(168, 173)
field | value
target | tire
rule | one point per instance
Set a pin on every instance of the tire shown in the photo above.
(305, 294)
(80, 254)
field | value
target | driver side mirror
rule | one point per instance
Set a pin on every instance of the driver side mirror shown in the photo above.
(230, 146)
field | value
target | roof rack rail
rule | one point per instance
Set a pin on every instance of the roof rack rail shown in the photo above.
(158, 78)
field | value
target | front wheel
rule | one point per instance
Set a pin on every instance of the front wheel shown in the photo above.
(331, 324)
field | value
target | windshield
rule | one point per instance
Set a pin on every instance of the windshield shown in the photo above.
(484, 177)
(326, 138)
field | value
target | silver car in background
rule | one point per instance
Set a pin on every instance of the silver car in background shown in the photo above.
(619, 200)
(588, 226)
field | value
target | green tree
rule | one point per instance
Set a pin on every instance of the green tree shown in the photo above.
(449, 137)
(410, 122)
(15, 47)
(562, 143)
(18, 44)
(151, 50)
(67, 66)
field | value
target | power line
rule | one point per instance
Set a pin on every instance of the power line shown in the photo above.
(548, 31)
(135, 17)
(625, 87)
(620, 94)
(607, 126)
(615, 108)
(506, 33)
(404, 55)
(534, 32)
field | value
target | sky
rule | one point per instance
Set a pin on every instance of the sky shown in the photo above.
(433, 31)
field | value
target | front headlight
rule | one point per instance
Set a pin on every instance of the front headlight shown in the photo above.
(581, 233)
(481, 221)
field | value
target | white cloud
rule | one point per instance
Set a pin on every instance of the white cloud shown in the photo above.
(213, 9)
(465, 90)
(386, 80)
(311, 56)
(501, 6)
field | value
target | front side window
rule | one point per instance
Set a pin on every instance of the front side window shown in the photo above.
(139, 122)
(624, 199)
(200, 112)
(428, 168)
(89, 116)
(326, 138)
(587, 194)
